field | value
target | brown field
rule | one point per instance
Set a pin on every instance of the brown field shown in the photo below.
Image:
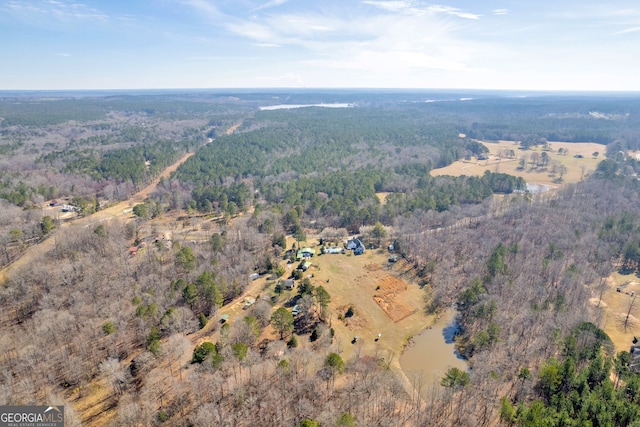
(577, 169)
(352, 282)
(614, 309)
(390, 298)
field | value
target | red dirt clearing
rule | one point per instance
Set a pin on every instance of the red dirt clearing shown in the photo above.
(389, 298)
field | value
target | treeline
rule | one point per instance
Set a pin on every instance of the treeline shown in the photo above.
(39, 110)
(134, 164)
(441, 193)
(572, 119)
(20, 193)
(321, 140)
(517, 271)
(332, 163)
(586, 385)
(348, 198)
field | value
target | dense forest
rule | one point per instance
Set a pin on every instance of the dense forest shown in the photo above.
(110, 310)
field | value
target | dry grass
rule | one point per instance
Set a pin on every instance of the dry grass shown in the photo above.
(577, 169)
(615, 306)
(395, 310)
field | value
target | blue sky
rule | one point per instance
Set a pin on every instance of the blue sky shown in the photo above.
(501, 44)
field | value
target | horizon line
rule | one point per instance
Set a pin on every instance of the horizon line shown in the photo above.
(303, 89)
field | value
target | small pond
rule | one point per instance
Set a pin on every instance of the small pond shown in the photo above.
(433, 351)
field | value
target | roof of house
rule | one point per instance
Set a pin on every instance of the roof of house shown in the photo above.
(304, 252)
(334, 250)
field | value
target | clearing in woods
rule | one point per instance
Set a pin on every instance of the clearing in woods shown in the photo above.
(577, 168)
(615, 306)
(385, 299)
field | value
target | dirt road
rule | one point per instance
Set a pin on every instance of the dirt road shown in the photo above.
(121, 209)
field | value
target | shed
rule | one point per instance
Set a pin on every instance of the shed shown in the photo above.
(254, 276)
(288, 284)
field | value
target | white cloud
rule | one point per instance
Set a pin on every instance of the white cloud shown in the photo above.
(285, 29)
(629, 30)
(267, 45)
(272, 3)
(370, 44)
(391, 5)
(415, 8)
(500, 11)
(60, 10)
(65, 55)
(203, 6)
(452, 11)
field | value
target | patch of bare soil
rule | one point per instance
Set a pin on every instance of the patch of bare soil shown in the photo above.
(353, 322)
(372, 267)
(388, 297)
(382, 196)
(596, 302)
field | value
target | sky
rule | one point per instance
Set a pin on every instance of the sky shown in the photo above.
(465, 44)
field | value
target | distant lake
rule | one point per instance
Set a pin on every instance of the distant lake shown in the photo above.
(292, 106)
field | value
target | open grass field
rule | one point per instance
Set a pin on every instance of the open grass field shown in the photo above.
(384, 302)
(615, 306)
(577, 168)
